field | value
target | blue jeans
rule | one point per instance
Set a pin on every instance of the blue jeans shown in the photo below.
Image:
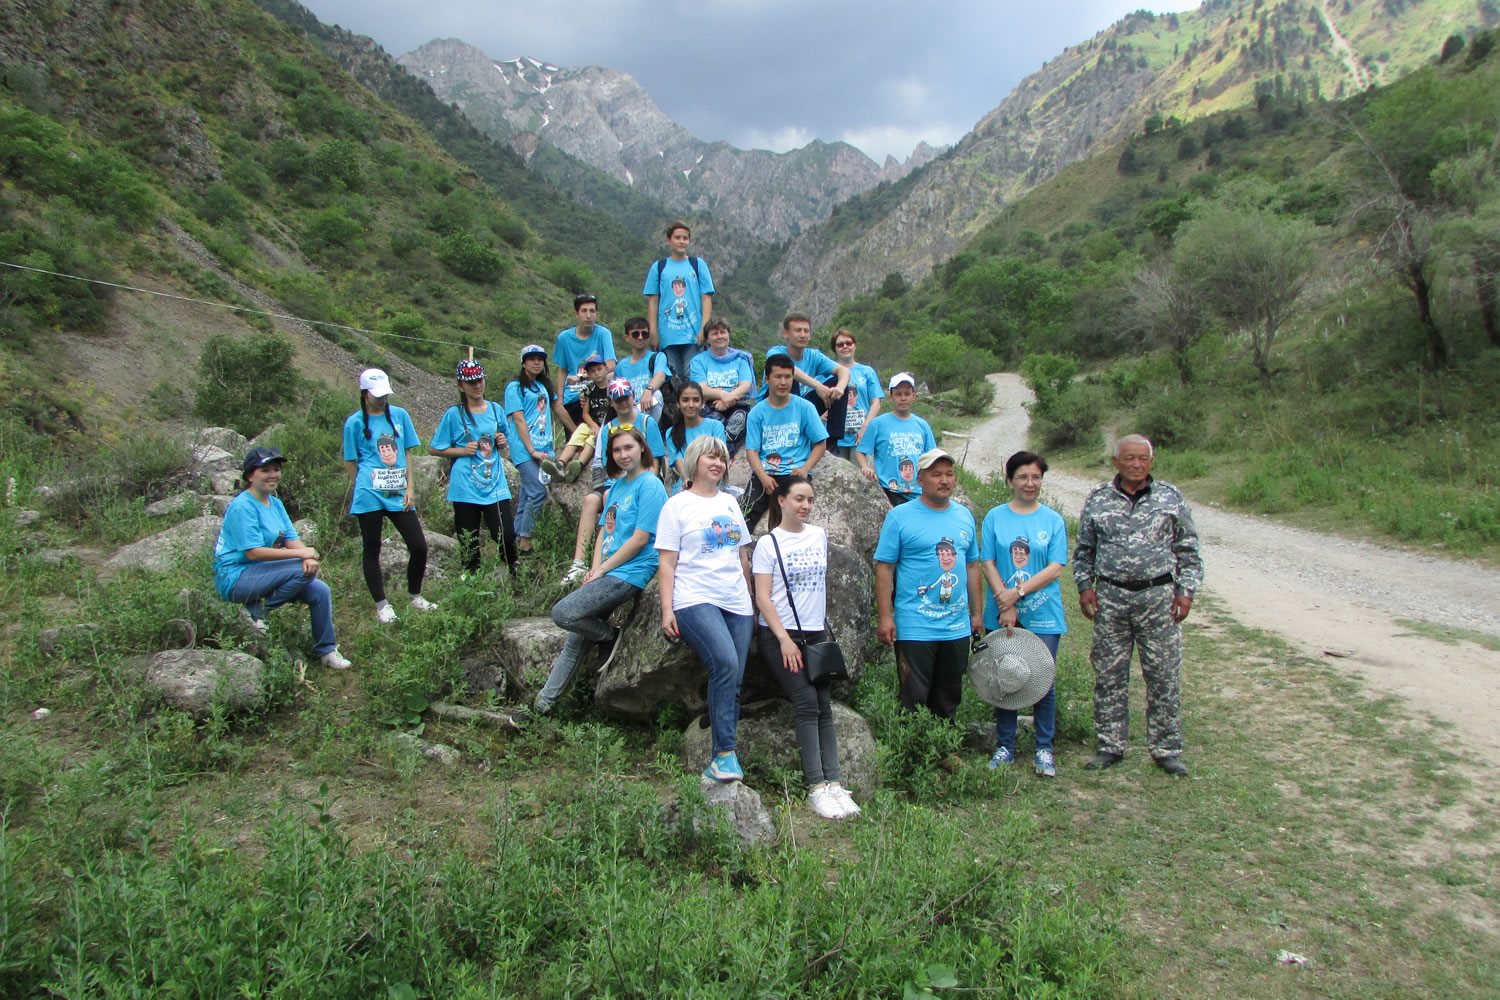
(533, 495)
(583, 614)
(1044, 713)
(265, 586)
(722, 640)
(680, 357)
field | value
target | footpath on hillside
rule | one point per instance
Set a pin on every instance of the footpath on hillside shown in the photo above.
(1333, 598)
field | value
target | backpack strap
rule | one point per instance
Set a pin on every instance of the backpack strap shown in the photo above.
(661, 265)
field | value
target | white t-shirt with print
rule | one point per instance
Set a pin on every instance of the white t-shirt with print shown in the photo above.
(706, 533)
(805, 555)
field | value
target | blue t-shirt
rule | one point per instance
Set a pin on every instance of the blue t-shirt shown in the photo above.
(814, 363)
(632, 505)
(896, 444)
(712, 428)
(679, 311)
(569, 352)
(640, 373)
(381, 478)
(722, 373)
(1046, 538)
(535, 407)
(248, 524)
(480, 477)
(864, 389)
(932, 550)
(783, 438)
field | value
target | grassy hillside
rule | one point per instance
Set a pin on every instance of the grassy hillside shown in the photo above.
(1374, 403)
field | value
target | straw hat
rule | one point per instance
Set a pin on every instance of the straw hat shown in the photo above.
(1012, 672)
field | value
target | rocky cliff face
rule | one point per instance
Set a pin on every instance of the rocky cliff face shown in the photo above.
(606, 119)
(1093, 96)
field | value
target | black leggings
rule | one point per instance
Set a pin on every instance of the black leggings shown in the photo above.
(466, 520)
(817, 741)
(370, 524)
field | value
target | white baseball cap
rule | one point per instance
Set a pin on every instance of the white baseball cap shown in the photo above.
(376, 382)
(900, 377)
(933, 455)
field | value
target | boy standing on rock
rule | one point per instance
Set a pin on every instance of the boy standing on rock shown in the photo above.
(679, 300)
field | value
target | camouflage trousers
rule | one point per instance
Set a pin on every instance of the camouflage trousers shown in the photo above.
(1128, 620)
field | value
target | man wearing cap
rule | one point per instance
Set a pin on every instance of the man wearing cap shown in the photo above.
(260, 562)
(1137, 566)
(892, 442)
(574, 345)
(928, 589)
(627, 414)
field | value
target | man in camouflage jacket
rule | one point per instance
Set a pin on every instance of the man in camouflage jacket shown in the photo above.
(1137, 567)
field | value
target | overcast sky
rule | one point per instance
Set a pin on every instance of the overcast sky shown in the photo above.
(773, 74)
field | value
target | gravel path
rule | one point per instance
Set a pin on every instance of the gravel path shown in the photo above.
(1328, 596)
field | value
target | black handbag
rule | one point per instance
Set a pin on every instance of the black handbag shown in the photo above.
(823, 661)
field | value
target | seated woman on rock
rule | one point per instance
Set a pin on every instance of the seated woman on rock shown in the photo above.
(790, 566)
(261, 563)
(624, 562)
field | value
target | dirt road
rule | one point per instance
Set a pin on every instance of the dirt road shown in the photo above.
(1330, 597)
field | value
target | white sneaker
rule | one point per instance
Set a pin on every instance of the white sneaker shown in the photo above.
(823, 802)
(851, 808)
(421, 603)
(336, 660)
(259, 624)
(385, 615)
(574, 574)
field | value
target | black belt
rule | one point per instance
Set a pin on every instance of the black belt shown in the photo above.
(1155, 581)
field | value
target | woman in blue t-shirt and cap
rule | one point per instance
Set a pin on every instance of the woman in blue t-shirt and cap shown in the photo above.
(472, 436)
(261, 563)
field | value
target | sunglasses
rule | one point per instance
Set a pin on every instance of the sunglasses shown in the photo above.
(638, 334)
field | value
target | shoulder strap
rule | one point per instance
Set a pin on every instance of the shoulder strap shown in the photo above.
(661, 265)
(785, 583)
(696, 273)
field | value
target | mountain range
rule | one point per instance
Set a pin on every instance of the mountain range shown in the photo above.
(605, 118)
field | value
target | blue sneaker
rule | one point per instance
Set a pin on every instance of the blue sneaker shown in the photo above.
(1045, 767)
(1001, 758)
(724, 767)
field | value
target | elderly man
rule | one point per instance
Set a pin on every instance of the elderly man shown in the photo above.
(1137, 566)
(928, 589)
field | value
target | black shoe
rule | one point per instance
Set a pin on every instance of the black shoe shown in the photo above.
(1172, 766)
(1101, 760)
(520, 718)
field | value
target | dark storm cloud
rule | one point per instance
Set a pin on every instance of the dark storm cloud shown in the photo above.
(773, 73)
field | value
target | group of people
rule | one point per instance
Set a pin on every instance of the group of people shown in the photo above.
(932, 560)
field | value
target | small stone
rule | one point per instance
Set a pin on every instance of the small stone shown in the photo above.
(440, 752)
(48, 640)
(740, 802)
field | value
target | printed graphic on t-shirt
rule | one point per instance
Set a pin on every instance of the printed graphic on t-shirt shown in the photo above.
(482, 464)
(906, 446)
(390, 478)
(720, 532)
(805, 569)
(937, 596)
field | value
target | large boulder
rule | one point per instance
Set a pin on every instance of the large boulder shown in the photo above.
(526, 648)
(267, 438)
(647, 672)
(393, 557)
(225, 438)
(848, 506)
(174, 503)
(196, 680)
(160, 552)
(209, 459)
(307, 531)
(225, 482)
(768, 730)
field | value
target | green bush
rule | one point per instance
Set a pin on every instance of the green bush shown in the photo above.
(338, 160)
(218, 203)
(571, 276)
(330, 230)
(241, 382)
(466, 257)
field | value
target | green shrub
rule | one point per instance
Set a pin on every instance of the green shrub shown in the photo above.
(466, 257)
(571, 276)
(218, 203)
(331, 229)
(241, 382)
(405, 240)
(338, 160)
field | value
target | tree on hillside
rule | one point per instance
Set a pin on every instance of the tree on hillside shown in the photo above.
(1471, 236)
(1250, 268)
(1169, 308)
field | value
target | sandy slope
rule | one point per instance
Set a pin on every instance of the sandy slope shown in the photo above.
(1323, 594)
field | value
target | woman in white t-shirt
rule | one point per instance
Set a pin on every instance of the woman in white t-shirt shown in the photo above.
(705, 593)
(796, 553)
